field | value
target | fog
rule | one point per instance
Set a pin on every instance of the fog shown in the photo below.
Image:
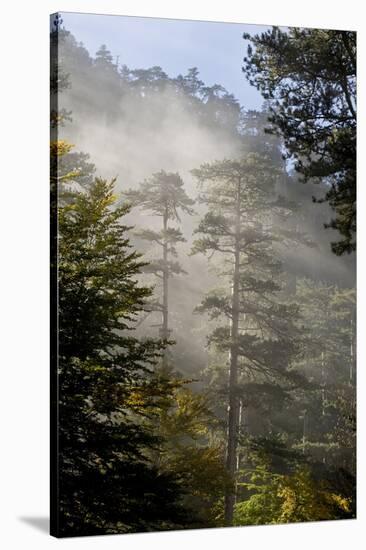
(138, 125)
(206, 329)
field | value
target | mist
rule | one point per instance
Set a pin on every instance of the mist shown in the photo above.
(131, 132)
(207, 328)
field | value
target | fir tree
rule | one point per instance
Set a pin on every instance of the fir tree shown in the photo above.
(106, 482)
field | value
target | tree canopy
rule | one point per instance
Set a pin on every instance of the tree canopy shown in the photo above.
(204, 333)
(308, 77)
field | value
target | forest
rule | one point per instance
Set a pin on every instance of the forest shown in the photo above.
(203, 258)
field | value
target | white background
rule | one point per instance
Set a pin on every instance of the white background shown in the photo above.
(24, 273)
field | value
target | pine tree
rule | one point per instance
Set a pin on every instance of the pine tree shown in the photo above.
(103, 57)
(328, 315)
(164, 196)
(308, 77)
(259, 333)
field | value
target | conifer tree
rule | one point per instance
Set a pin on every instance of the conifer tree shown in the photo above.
(106, 482)
(103, 57)
(259, 331)
(328, 315)
(308, 77)
(59, 78)
(163, 195)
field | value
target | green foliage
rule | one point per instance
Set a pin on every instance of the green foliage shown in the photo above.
(244, 220)
(59, 78)
(163, 195)
(328, 315)
(141, 448)
(106, 481)
(190, 452)
(297, 497)
(242, 209)
(308, 77)
(213, 106)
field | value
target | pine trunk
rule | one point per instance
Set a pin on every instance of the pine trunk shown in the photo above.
(233, 409)
(165, 328)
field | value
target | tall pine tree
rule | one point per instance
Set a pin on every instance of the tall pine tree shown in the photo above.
(259, 332)
(163, 195)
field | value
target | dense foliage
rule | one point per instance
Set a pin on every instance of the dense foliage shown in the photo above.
(308, 77)
(206, 357)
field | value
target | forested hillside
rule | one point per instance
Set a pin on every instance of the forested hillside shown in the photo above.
(207, 347)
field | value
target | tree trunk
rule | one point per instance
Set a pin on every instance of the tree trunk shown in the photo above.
(233, 409)
(165, 328)
(351, 366)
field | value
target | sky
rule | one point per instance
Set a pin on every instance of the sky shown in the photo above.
(216, 49)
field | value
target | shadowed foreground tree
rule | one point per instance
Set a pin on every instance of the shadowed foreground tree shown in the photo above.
(59, 79)
(308, 77)
(106, 482)
(186, 425)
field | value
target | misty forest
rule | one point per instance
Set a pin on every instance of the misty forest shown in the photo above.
(205, 259)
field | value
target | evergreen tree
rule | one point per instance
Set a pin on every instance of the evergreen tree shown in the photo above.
(308, 77)
(59, 78)
(328, 315)
(163, 195)
(106, 482)
(271, 438)
(188, 448)
(191, 82)
(103, 57)
(259, 333)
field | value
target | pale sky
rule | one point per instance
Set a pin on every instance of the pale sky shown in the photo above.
(216, 49)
